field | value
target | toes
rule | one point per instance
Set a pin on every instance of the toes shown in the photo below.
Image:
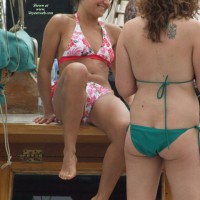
(66, 175)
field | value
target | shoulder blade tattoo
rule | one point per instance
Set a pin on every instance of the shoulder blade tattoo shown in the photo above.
(171, 31)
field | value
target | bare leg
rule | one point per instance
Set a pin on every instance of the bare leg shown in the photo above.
(183, 167)
(69, 101)
(142, 173)
(111, 115)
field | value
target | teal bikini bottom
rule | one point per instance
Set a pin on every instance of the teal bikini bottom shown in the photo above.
(151, 141)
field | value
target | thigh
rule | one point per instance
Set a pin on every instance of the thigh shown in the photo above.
(74, 76)
(143, 173)
(57, 98)
(182, 166)
(111, 115)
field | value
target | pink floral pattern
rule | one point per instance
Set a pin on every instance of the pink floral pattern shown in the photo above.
(94, 91)
(79, 46)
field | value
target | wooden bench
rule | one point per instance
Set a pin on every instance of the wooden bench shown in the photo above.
(37, 149)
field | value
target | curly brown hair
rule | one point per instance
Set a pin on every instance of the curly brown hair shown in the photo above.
(159, 12)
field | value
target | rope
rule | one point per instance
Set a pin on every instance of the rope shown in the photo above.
(15, 31)
(4, 119)
(5, 130)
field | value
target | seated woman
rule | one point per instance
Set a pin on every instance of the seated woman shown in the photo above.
(85, 49)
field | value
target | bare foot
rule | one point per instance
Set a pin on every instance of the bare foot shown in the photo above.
(68, 170)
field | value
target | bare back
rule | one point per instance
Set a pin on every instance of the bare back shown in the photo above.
(153, 62)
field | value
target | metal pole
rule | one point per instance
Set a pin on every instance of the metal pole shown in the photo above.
(2, 14)
(21, 13)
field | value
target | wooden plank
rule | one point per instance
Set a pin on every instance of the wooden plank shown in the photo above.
(22, 93)
(6, 183)
(51, 168)
(53, 152)
(48, 168)
(168, 194)
(37, 133)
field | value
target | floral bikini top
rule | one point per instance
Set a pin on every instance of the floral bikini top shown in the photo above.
(79, 47)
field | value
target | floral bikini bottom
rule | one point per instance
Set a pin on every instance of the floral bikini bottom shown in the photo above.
(93, 92)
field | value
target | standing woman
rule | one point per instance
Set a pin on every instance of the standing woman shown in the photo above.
(158, 58)
(85, 48)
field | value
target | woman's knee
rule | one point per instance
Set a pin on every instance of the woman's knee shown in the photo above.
(119, 131)
(75, 72)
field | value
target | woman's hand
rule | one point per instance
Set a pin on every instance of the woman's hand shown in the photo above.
(46, 119)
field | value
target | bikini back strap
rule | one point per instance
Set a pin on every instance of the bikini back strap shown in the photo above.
(165, 81)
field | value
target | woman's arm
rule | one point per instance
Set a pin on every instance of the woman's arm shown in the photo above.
(125, 80)
(196, 52)
(50, 44)
(114, 32)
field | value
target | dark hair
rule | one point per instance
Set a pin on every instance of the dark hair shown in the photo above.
(159, 12)
(130, 11)
(76, 2)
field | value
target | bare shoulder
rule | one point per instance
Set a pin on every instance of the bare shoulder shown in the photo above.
(60, 19)
(133, 25)
(195, 24)
(193, 28)
(113, 31)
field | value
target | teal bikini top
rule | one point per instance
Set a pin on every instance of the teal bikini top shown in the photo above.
(162, 93)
